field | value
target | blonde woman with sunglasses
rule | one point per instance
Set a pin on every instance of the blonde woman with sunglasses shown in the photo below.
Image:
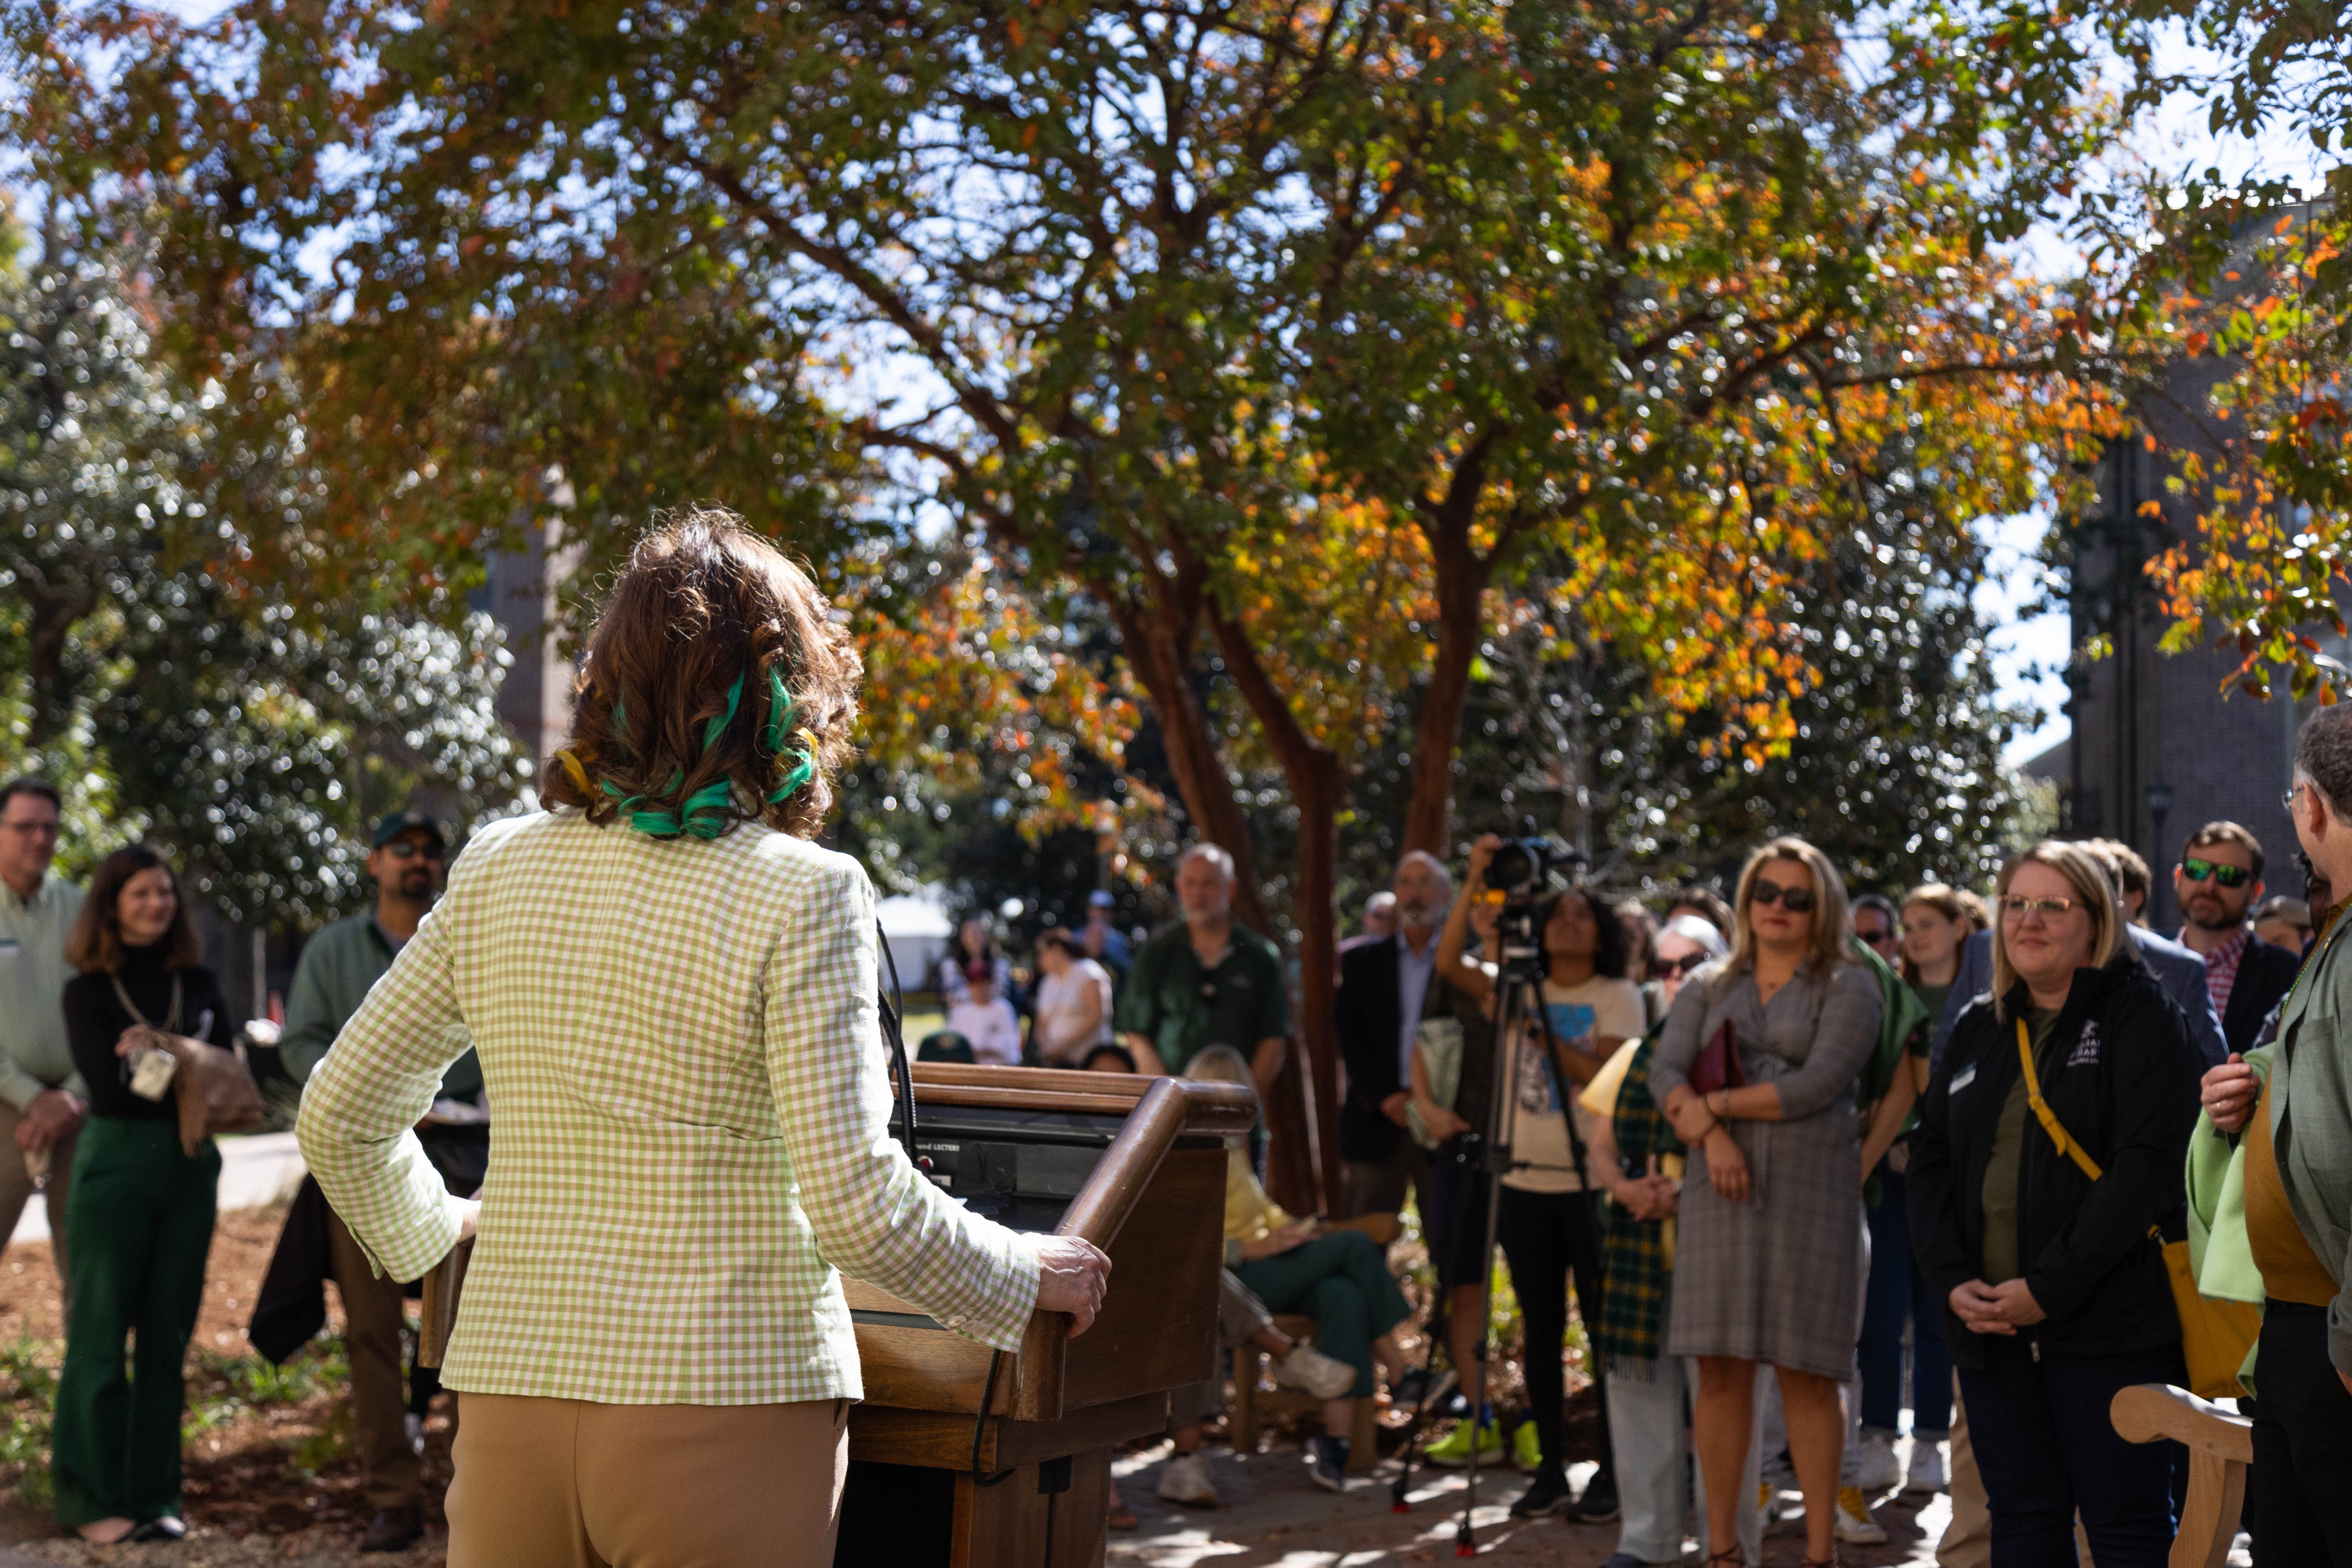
(1769, 1267)
(2055, 1285)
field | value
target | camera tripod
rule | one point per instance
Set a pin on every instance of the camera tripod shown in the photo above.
(1518, 1002)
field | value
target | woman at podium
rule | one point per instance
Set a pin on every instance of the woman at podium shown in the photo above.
(673, 994)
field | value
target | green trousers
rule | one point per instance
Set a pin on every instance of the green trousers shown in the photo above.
(1342, 1281)
(142, 1223)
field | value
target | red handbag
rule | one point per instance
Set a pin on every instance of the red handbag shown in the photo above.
(1719, 1064)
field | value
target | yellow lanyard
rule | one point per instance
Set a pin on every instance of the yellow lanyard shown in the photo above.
(2042, 1111)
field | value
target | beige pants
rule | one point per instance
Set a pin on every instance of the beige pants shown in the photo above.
(16, 1188)
(374, 1309)
(563, 1483)
(1968, 1540)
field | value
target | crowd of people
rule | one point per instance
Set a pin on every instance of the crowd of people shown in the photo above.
(1798, 1160)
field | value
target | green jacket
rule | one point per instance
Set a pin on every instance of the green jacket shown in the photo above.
(2311, 1121)
(338, 967)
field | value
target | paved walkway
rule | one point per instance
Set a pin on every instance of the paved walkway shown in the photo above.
(1272, 1516)
(256, 1170)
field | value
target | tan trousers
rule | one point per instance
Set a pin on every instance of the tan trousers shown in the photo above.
(1968, 1540)
(374, 1309)
(563, 1483)
(16, 1188)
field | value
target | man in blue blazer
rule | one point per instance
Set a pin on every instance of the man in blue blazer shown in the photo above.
(1386, 987)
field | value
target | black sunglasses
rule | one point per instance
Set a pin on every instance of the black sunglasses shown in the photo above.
(1795, 901)
(1687, 962)
(409, 849)
(2196, 870)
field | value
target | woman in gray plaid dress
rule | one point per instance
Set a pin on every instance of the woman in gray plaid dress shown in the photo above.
(1769, 1263)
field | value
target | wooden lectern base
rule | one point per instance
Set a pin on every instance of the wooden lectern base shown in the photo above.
(1042, 1500)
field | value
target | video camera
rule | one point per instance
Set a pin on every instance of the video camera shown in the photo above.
(1527, 869)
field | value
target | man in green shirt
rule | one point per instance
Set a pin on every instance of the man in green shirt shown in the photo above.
(42, 1103)
(1205, 981)
(407, 858)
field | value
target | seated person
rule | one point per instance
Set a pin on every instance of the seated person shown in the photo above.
(1338, 1278)
(1242, 1318)
(986, 1019)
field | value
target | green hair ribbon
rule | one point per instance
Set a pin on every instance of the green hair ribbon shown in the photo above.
(705, 813)
(778, 730)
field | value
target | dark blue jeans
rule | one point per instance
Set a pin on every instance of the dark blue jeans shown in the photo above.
(2046, 1449)
(1899, 1294)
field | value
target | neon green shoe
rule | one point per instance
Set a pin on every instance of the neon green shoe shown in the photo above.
(1526, 1449)
(1452, 1451)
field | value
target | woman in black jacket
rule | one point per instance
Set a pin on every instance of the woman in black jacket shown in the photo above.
(2056, 1287)
(142, 1211)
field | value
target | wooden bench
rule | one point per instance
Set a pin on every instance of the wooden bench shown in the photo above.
(2220, 1445)
(1251, 1402)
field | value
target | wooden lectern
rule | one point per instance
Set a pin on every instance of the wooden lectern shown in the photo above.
(1135, 1165)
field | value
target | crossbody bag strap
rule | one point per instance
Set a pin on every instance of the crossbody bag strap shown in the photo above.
(2042, 1111)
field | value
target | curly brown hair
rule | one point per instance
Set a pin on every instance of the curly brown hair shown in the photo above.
(705, 604)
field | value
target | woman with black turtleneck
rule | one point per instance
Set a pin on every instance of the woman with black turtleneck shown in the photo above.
(142, 1211)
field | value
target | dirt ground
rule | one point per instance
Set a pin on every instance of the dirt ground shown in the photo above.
(271, 1476)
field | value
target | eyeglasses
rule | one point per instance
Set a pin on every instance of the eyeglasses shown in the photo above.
(2223, 875)
(1685, 964)
(1795, 901)
(2287, 800)
(2017, 906)
(409, 849)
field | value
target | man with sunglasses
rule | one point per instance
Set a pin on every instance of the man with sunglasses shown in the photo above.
(408, 859)
(2219, 878)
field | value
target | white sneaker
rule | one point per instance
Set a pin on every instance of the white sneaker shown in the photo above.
(1186, 1481)
(1855, 1525)
(1310, 1370)
(1875, 1470)
(415, 1423)
(1927, 1473)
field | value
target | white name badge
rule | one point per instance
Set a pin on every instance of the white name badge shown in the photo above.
(1965, 1077)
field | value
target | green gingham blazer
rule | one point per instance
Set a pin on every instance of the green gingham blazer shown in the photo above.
(684, 1061)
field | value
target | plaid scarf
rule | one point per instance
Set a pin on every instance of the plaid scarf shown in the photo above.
(1633, 1252)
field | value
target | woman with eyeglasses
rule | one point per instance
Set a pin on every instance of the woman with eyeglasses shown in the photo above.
(2035, 1221)
(1769, 1266)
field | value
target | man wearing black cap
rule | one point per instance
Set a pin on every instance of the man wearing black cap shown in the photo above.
(408, 860)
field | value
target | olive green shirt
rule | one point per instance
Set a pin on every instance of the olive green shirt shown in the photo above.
(33, 976)
(2001, 1263)
(1183, 1007)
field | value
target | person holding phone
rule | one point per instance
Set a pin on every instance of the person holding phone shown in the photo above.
(1769, 1266)
(141, 1208)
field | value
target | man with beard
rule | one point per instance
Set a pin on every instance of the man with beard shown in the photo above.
(408, 860)
(1386, 988)
(1205, 981)
(2219, 878)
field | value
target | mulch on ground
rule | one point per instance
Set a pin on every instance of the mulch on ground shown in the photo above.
(270, 1473)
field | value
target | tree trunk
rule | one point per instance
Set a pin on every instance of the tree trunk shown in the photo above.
(1157, 642)
(54, 609)
(1462, 577)
(1157, 639)
(1316, 791)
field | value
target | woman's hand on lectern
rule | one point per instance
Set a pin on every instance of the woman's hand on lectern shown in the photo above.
(1071, 1277)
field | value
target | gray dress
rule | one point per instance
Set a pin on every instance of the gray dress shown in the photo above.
(1775, 1279)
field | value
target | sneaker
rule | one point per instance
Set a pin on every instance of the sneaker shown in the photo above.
(415, 1425)
(1855, 1525)
(1546, 1494)
(1420, 1384)
(1599, 1503)
(1927, 1474)
(1875, 1470)
(1768, 1506)
(1186, 1483)
(1326, 1461)
(1452, 1451)
(1527, 1449)
(1309, 1369)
